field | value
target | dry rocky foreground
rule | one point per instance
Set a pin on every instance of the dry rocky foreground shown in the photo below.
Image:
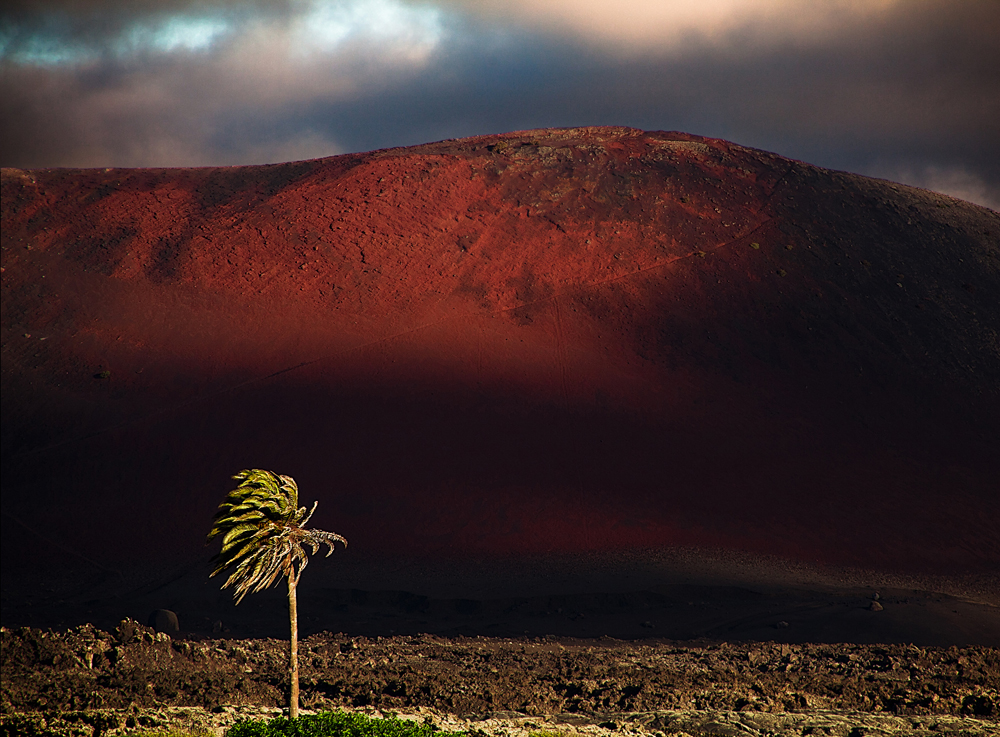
(89, 682)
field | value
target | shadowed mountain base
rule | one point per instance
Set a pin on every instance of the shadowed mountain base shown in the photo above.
(591, 341)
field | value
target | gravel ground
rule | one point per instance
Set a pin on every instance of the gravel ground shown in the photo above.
(89, 682)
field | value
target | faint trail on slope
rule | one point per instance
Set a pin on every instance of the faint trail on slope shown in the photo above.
(561, 350)
(774, 190)
(56, 544)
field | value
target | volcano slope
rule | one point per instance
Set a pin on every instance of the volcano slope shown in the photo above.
(553, 342)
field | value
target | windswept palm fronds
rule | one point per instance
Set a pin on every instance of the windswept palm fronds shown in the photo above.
(263, 533)
(264, 537)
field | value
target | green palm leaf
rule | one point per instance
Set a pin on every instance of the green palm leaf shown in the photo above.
(264, 539)
(262, 530)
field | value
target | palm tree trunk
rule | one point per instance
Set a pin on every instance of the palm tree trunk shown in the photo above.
(293, 653)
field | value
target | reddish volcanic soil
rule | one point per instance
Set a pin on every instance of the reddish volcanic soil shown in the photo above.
(546, 342)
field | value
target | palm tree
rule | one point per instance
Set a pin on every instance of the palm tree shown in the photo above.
(264, 537)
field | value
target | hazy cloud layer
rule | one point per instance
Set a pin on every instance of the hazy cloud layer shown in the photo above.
(674, 26)
(908, 90)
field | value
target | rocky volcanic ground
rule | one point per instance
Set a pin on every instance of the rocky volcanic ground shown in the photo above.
(88, 675)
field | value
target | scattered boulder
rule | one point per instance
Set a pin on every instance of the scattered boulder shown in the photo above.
(875, 606)
(130, 631)
(164, 620)
(979, 705)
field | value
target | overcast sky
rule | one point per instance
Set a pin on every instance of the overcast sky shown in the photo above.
(903, 89)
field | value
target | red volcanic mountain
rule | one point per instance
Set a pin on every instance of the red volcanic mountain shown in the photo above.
(548, 341)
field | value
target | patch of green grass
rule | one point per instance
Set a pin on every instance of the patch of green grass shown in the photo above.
(335, 724)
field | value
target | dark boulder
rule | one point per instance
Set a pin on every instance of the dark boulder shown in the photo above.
(164, 620)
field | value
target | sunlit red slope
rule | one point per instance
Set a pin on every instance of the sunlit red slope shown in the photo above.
(556, 340)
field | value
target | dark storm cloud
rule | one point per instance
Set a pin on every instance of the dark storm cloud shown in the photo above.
(904, 90)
